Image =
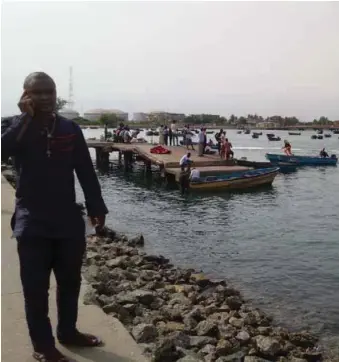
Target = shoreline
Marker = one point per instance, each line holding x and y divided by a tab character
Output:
177	314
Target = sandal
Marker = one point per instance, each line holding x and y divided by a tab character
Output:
81	340
50	356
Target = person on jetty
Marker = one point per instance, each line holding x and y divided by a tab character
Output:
323	153
188	138
218	139
161	135
201	143
166	134
174	140
185	160
47	221
287	148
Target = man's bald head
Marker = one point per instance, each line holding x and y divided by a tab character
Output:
37	76
41	89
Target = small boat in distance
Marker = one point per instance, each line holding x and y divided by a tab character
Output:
320	137
239	132
247	131
294	133
237	180
327	135
302	160
314	137
255	135
272	137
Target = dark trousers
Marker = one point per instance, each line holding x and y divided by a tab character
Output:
38	258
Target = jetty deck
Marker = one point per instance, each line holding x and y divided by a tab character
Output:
208	164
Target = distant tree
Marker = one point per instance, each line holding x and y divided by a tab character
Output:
233	119
109	120
60	103
242	120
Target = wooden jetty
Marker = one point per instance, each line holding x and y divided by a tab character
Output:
168	163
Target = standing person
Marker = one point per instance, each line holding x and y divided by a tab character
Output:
174	132
201	143
161	135
170	135
205	139
188	138
223	145
47	221
218	139
165	132
228	149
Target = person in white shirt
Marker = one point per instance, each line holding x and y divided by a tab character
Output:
188	138
201	143
173	134
195	174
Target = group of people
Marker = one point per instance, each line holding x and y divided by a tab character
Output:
224	146
168	136
123	134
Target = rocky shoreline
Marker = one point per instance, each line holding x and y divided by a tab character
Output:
177	314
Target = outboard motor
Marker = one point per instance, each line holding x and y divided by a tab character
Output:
334	156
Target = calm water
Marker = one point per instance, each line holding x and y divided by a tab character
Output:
279	246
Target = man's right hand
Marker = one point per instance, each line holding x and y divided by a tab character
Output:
26	104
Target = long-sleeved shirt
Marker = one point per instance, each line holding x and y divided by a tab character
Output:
45	193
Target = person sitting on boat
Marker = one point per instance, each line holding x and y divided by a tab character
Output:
185	161
287	148
228	149
323	153
195	174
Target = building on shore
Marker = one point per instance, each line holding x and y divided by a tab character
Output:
166	116
69	113
95	114
267	125
140	117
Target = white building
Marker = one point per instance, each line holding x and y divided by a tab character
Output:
140	117
95	114
68	113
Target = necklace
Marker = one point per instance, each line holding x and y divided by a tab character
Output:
50	133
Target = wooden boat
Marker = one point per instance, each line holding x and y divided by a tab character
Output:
336	131
247	131
314	137
283	166
237	180
303	160
239	132
294	133
320	131
327	135
320	137
273	137
254	135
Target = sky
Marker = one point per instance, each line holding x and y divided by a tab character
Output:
269	58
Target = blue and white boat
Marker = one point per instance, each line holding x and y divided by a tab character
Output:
302	160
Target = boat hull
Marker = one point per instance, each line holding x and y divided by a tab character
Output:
302	160
240	182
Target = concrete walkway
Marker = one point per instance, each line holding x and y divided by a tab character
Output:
15	343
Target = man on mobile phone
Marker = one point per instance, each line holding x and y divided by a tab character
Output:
47	222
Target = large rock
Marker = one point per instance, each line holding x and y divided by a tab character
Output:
255	359
234	302
137	241
165	351
179	339
144	333
136	296
243	337
268	346
302	339
201	341
235	357
120	261
223	347
207	328
190	358
200	279
236	322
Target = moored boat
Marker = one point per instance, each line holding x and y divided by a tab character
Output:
314	137
302	160
327	135
237	180
294	133
255	135
284	167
